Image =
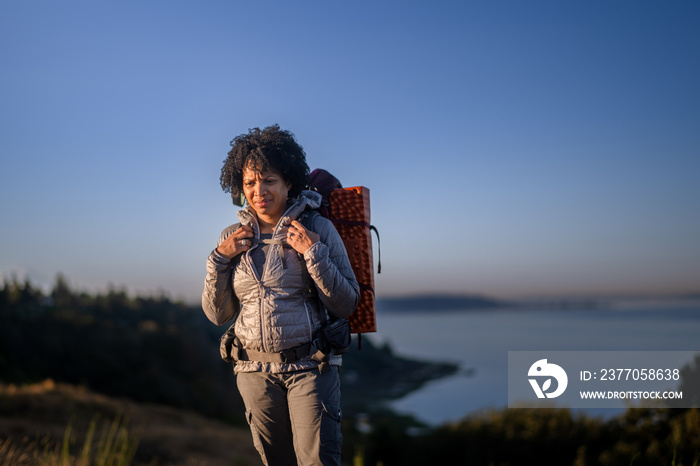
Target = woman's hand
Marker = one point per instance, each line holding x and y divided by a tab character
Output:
236	243
300	238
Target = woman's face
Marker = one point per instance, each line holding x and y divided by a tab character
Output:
266	192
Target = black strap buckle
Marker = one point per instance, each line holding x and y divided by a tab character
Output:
288	356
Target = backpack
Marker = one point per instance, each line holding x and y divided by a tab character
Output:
349	210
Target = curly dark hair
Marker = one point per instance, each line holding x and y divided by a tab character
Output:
269	149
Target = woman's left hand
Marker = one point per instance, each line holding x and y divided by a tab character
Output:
300	238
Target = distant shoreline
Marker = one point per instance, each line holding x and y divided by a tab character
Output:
438	302
466	303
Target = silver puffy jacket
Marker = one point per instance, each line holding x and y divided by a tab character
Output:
276	310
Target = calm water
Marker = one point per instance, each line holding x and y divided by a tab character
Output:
480	340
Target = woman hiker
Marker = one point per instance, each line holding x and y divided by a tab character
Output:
281	282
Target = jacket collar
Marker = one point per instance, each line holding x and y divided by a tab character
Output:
295	207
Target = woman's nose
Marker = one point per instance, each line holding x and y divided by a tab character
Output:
258	189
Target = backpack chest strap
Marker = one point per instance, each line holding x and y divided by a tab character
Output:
274	241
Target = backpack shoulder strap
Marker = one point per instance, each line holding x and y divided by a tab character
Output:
307	218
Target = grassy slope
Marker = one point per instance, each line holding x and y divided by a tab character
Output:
166	435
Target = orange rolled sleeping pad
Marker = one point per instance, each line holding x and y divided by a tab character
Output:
350	213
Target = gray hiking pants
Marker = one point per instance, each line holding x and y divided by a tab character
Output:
294	417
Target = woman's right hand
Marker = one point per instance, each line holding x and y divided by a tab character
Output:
236	243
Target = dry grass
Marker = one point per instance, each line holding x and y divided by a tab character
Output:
50	423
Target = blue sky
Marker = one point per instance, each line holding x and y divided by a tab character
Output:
511	148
